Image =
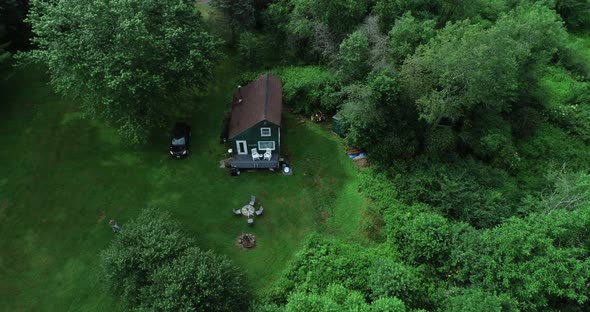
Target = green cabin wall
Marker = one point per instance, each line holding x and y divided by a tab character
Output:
252	136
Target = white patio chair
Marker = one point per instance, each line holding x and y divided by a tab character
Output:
255	155
250	221
267	155
252	200
259	211
237	212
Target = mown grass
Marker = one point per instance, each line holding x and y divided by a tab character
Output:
62	178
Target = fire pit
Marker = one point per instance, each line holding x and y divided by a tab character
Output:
246	241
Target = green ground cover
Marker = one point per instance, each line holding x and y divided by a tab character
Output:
62	178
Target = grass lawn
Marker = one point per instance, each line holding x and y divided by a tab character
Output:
62	178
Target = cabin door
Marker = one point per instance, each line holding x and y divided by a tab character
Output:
242	147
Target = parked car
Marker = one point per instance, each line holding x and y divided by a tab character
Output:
181	134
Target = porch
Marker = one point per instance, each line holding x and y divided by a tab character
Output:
246	162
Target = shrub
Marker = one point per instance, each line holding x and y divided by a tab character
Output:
390	278
196	281
151	265
476	300
141	248
308	89
466	191
425	239
541	260
323	262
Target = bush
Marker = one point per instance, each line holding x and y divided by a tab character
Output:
476	300
151	265
196	281
390	278
323	262
541	260
308	89
337	298
425	239
141	248
465	191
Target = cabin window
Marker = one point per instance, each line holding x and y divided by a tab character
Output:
265	132
266	145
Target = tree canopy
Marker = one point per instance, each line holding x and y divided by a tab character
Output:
152	265
123	60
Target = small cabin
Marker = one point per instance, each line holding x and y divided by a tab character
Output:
254	131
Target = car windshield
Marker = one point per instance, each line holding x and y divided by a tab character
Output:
179	141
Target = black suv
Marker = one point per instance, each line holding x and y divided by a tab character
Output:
181	135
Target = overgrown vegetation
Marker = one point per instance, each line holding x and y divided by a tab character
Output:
474	116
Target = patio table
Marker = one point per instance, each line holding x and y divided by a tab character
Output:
248	210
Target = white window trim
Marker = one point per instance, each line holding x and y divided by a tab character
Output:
262	132
274	145
242	151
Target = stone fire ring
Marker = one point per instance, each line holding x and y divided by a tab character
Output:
246	241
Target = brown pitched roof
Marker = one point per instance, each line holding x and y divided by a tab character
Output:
262	99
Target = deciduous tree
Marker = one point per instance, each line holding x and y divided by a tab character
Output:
123	60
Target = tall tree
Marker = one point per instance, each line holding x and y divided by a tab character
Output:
240	13
353	57
124	60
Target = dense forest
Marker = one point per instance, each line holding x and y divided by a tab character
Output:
475	116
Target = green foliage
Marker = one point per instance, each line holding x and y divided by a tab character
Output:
340	17
324	261
388	305
143	246
131	76
566	100
377	121
550	146
467	191
240	13
151	265
308	89
407	34
196	281
440	140
353	57
252	48
468	66
463	67
390	10
476	300
338	298
390	278
490	138
314	28
425	239
575	13
535	260
525	121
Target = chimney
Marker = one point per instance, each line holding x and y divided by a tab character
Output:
240	94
